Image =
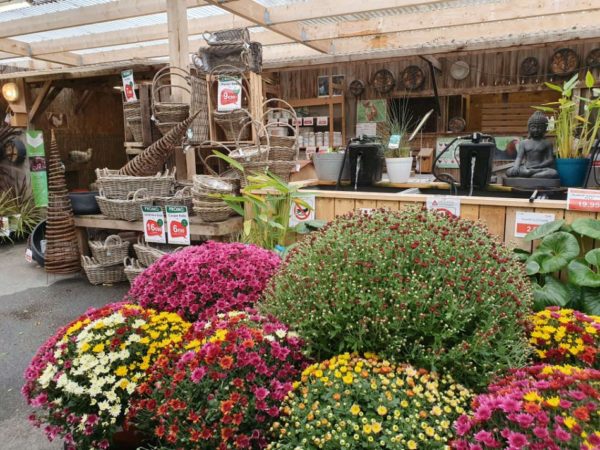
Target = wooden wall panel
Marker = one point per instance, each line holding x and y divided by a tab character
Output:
494	218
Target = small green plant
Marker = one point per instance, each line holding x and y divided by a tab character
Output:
398	122
267	214
562	248
575	132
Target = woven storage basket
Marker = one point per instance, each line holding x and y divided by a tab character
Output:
231	54
254	57
147	255
132	109
200	126
165	127
183	197
282	153
132	268
233	36
199	203
117	186
171	112
251	168
111	251
214	214
130	209
98	274
283	169
135	126
232	123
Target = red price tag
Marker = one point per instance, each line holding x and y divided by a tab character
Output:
583	200
526	227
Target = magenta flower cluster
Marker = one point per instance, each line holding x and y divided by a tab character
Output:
202	281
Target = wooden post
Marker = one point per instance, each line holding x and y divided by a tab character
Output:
145	109
179	57
256	99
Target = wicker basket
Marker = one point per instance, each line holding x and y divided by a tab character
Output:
117	186
283	169
132	109
251	168
214	214
135	126
171	112
147	255
232	123
98	274
254	57
231	54
183	197
200	127
233	36
130	209
111	251
165	127
282	153
132	268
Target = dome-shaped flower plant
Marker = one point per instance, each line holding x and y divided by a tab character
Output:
413	286
201	281
349	402
80	381
536	408
226	390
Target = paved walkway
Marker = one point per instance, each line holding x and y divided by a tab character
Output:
32	306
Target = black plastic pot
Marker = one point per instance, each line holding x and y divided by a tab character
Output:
35	242
84	203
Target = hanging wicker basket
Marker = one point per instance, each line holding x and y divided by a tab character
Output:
132	110
117	186
135	126
130	209
132	268
233	124
170	111
199	103
99	274
111	251
232	36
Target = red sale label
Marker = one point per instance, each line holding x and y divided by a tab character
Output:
153	228
583	200
178	230
229	97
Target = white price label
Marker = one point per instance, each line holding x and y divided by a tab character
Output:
526	222
444	204
154	224
178	225
583	200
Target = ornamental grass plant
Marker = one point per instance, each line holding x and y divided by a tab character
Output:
414	286
536	408
565	336
351	402
225	391
202	281
81	380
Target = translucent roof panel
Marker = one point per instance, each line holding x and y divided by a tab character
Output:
47	8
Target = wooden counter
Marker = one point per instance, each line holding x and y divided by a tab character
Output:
198	228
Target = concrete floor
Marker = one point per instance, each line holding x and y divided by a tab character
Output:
32	306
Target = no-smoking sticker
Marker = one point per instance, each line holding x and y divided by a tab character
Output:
299	213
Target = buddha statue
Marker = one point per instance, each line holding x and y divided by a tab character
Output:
535	156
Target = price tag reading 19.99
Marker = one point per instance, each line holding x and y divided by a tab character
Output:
583	200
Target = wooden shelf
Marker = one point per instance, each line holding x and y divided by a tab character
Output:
317	101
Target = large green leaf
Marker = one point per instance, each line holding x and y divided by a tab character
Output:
554	293
590	301
532	268
521	254
544	230
589	80
557	249
593	257
581	275
587	227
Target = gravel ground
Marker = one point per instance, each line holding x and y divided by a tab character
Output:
32	306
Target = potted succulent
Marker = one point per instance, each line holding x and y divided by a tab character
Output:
575	131
397	155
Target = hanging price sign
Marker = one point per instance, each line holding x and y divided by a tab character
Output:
444	204
178	225
128	85
583	200
154	224
526	222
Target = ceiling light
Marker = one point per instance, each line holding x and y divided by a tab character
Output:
10	92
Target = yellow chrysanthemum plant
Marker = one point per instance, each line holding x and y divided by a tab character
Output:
82	378
354	402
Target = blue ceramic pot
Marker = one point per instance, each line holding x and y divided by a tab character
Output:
572	171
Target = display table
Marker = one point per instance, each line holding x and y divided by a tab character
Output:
197	227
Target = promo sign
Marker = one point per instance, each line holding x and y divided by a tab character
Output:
308	121
526	222
128	90
583	200
229	94
34	145
299	214
154	224
178	225
444	204
322	121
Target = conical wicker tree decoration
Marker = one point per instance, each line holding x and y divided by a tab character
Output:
62	251
152	159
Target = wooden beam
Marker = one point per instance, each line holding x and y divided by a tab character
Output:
255	12
120	9
38	100
15	47
46	102
83	101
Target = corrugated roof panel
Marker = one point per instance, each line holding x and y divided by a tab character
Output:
47	8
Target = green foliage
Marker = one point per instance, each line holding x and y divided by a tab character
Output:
21	212
575	132
398	122
412	286
267	213
562	249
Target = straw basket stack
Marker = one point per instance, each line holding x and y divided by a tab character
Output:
62	250
206	203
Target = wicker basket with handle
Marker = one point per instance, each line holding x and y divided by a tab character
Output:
111	251
130	209
199	103
99	274
132	268
232	36
147	255
182	197
117	186
170	111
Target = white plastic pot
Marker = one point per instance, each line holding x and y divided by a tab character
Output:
398	169
328	165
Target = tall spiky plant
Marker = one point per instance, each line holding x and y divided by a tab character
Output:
398	122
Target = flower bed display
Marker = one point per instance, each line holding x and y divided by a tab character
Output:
566	336
201	281
82	378
413	286
349	402
537	408
225	391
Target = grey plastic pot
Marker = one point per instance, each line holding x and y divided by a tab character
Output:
328	165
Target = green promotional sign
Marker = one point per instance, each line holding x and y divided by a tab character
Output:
34	143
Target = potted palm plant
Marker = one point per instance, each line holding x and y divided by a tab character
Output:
575	131
397	155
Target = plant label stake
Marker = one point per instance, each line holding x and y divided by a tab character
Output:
154	224
178	225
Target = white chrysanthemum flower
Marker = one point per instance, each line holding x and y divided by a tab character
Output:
280	333
104	405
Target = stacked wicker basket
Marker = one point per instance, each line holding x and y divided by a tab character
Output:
133	115
206	201
106	264
168	113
